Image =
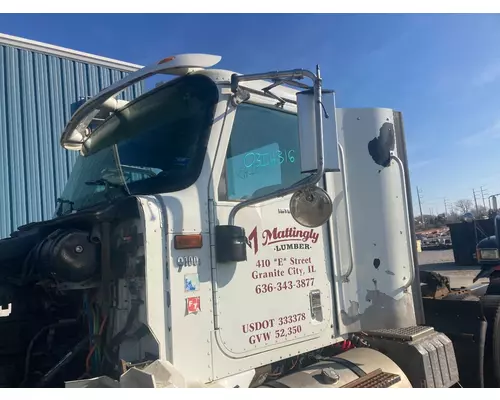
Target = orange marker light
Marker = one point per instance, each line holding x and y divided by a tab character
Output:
188	242
166	60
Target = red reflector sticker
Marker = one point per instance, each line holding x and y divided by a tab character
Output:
193	305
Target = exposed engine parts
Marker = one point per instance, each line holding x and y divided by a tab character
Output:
69	315
51	333
66	255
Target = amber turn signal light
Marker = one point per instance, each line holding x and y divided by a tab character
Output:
166	60
182	242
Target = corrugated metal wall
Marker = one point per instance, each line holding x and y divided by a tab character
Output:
37	97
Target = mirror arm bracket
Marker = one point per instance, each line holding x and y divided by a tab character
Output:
241	95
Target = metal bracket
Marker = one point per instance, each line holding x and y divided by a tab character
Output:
288	78
239	97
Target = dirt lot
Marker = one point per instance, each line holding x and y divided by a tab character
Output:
442	261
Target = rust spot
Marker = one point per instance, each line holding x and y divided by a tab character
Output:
376	263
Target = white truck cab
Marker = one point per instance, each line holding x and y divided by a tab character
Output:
269	226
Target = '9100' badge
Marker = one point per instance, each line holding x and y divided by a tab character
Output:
188	261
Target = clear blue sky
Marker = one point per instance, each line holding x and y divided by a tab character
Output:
441	71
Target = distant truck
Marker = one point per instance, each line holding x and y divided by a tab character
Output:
488	257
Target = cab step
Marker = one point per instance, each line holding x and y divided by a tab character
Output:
375	379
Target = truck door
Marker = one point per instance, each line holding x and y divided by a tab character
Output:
282	294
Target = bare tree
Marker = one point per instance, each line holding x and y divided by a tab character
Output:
482	211
464	206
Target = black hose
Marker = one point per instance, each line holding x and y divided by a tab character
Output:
118	338
63	361
110	349
35	338
345	363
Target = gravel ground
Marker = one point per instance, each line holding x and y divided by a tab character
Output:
442	261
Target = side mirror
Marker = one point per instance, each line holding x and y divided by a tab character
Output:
308	138
312	206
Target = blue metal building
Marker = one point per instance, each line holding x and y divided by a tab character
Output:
40	87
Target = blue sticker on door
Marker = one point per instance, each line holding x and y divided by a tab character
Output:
191	283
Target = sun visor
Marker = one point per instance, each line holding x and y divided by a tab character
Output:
77	131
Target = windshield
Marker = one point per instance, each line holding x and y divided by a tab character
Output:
166	132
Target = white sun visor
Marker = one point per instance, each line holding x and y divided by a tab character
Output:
76	131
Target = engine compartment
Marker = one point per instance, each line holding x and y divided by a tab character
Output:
57	280
42	336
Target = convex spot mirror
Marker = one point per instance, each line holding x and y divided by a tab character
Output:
311	207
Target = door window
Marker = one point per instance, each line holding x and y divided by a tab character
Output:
263	153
